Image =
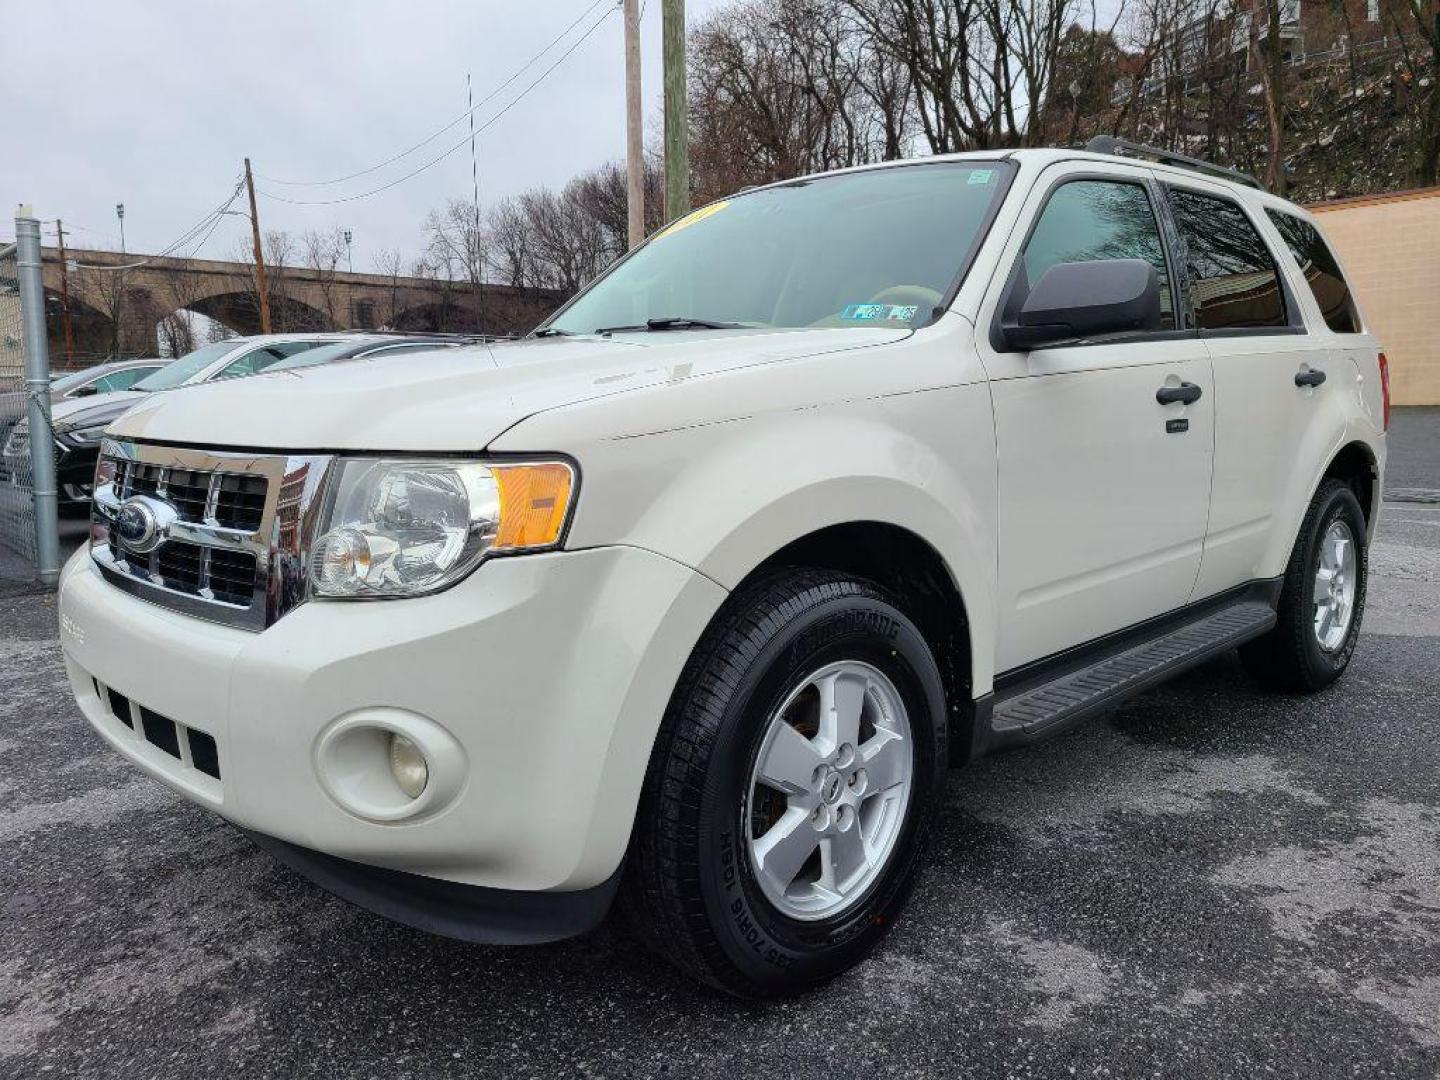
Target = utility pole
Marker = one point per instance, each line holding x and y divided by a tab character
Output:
634	128
65	297
677	126
259	255
478	253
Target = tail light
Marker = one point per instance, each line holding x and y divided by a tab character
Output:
1385	387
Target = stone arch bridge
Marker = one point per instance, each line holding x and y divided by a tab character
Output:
115	312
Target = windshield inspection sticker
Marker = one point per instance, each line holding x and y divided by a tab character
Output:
981	176
880	312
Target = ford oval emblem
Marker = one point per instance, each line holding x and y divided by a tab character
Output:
137	524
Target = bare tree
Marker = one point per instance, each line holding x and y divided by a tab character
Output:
279	251
779	88
107	290
390	264
1269	60
175	329
1425	68
323	252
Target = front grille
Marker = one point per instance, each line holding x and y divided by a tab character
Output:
220	526
190	568
229	500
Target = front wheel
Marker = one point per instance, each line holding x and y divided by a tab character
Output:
1322	600
786	804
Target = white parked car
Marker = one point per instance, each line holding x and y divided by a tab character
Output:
79	423
691	598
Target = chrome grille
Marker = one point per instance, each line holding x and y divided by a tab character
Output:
231	529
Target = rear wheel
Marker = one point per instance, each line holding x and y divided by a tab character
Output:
790	785
1322	600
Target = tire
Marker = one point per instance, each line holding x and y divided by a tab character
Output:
693	890
1291	656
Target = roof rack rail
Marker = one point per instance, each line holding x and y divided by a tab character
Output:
1108	144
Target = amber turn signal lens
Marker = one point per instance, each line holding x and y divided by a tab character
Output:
533	502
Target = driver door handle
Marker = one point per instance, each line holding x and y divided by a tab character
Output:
1309	378
1186	392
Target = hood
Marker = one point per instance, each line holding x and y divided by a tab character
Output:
97	409
67	413
459	399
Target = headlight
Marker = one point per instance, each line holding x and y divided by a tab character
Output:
404	528
85	436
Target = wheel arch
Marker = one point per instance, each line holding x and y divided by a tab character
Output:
907	565
1356	464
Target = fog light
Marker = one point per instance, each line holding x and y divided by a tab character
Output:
407	765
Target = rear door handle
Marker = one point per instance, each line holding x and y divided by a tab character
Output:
1309	378
1186	392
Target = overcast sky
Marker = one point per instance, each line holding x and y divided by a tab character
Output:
154	103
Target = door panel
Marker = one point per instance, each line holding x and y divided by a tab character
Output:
1102	509
1258	343
1264	460
1103	491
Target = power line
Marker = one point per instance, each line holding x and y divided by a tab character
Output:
205	225
462	143
470	112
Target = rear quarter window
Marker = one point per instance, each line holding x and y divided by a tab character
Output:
1321	271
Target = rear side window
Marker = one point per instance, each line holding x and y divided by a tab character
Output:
1088	220
1322	272
1234	282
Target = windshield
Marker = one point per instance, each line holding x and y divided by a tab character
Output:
881	247
177	372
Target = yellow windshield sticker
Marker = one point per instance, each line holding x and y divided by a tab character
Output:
696	216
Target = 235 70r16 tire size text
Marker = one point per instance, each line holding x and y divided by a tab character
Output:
751	749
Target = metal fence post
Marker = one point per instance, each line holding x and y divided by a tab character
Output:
37	393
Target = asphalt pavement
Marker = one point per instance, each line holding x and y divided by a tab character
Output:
1212	882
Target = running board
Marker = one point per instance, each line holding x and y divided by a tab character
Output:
1032	712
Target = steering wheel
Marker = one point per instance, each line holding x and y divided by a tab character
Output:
926	299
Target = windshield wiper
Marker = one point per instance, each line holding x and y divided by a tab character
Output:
675	322
553	331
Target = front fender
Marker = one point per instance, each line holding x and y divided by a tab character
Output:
723	496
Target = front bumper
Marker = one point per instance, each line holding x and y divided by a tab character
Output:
549	673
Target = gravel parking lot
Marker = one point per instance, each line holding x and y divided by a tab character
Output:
1211	882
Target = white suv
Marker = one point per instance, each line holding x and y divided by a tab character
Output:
692	597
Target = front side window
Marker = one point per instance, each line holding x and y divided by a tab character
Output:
880	247
1322	272
1090	220
1233	280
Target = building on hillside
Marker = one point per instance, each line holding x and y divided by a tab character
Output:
1390	248
1216	39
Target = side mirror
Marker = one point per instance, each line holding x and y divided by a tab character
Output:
1087	299
85	391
